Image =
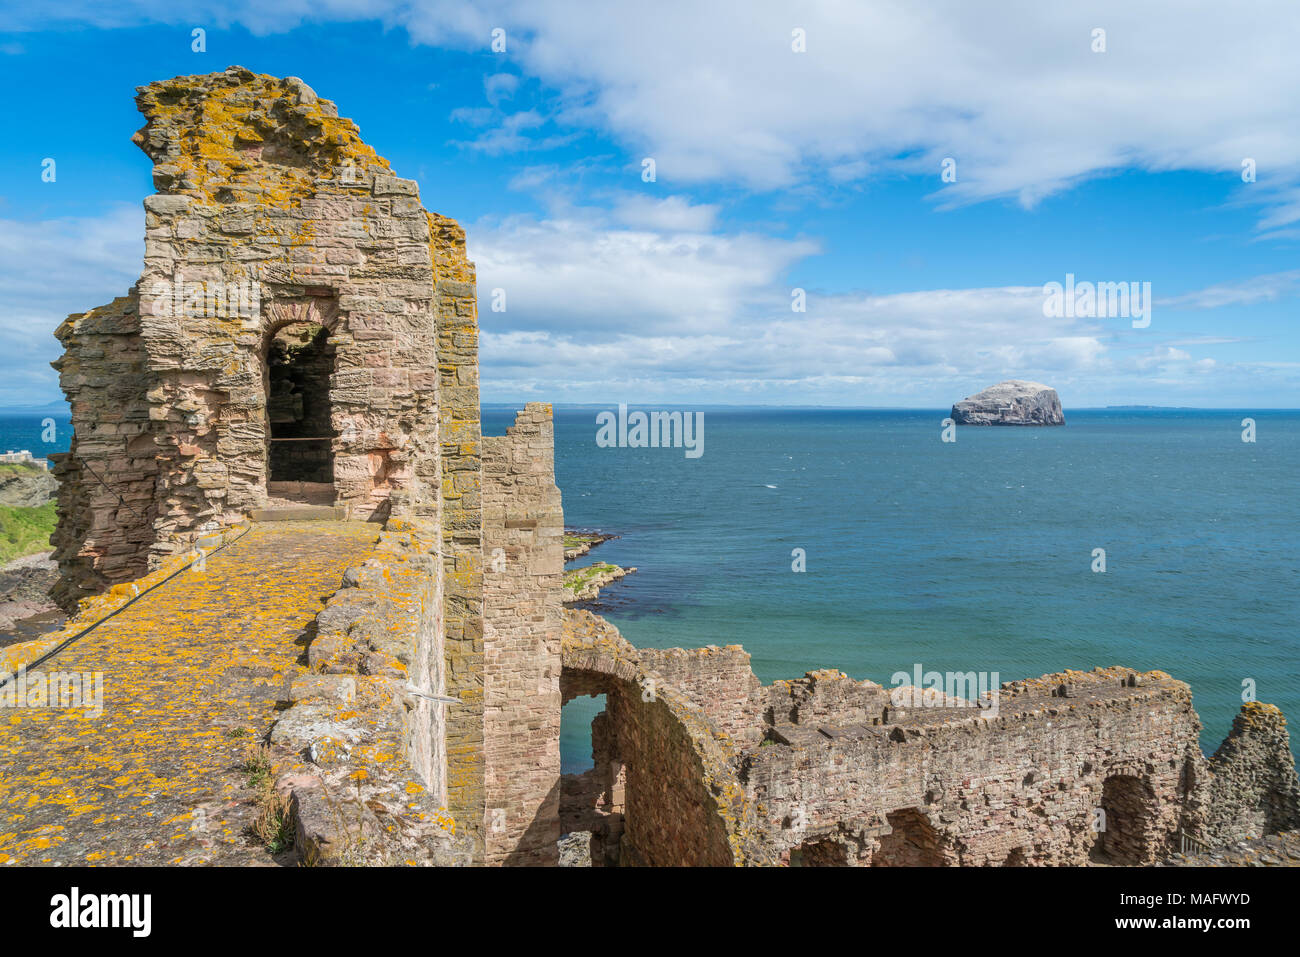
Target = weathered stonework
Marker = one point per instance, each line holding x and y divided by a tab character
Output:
368	724
1071	769
271	214
523	528
1254	790
302	326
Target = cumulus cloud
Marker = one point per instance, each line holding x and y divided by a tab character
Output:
653	297
585	272
52	268
597	308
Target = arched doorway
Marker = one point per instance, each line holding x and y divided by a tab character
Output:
652	796
298	367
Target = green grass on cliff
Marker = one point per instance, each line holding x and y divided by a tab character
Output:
574	578
24	531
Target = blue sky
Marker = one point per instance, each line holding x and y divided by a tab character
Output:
776	169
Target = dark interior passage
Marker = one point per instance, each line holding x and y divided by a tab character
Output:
300	360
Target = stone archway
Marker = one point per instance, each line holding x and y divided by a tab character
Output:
823	852
663	784
298	362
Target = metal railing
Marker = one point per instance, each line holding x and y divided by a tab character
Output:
1191	845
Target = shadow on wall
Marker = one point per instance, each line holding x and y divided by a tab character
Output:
1128	812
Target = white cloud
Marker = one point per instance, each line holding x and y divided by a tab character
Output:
674	213
583	272
48	270
597	310
1244	292
1014	93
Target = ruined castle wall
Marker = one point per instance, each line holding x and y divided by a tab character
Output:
106	481
366	726
1021	787
451	491
270	212
1253	789
828	696
669	759
664	783
719	681
523	534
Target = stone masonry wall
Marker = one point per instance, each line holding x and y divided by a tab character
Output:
719	681
273	215
458	506
523	547
1072	768
105	527
1254	789
366	727
664	788
1021	785
270	212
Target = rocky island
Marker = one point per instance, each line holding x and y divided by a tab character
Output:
1014	402
577	544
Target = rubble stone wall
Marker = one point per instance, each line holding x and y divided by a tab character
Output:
1254	790
665	783
366	726
106	495
1072	768
718	681
1022	785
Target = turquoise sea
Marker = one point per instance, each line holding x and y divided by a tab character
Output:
966	556
970	556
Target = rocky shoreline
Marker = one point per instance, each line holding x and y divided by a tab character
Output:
577	544
584	584
23	485
26	609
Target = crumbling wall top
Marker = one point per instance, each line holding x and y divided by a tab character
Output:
215	136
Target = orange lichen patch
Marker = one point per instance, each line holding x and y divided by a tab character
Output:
100	607
1254	713
216	136
156	774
